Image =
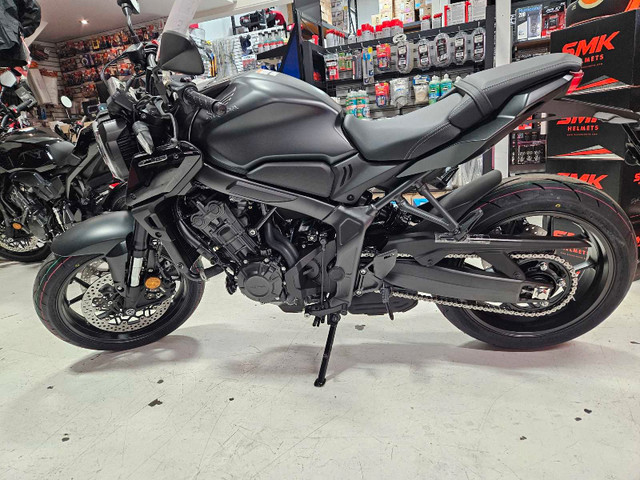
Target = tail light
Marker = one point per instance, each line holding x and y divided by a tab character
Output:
575	81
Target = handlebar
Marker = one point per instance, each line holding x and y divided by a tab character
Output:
198	100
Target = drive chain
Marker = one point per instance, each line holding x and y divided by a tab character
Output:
498	310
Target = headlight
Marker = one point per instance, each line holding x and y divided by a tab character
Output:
116	143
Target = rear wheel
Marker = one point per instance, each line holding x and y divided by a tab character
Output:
76	300
546	206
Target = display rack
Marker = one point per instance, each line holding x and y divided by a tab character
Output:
340	87
82	59
526	155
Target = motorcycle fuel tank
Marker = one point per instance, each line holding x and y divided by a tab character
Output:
27	149
271	118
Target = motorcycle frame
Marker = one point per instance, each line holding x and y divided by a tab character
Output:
349	222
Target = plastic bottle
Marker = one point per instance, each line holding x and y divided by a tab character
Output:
378	31
436	21
434	90
386	29
458	78
445	85
397	27
425	23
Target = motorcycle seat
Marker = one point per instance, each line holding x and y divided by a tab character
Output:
473	100
62	154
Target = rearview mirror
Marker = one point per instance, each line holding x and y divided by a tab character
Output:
134	5
8	79
66	102
179	53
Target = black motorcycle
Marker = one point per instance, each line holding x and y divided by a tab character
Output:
47	184
265	177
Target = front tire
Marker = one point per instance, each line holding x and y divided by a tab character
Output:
54	308
601	287
31	256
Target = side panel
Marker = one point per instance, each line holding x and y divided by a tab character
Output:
313	178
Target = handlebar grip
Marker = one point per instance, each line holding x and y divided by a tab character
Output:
196	99
25	105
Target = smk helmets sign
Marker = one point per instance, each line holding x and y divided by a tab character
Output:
591	178
593	49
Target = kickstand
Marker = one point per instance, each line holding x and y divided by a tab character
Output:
333	320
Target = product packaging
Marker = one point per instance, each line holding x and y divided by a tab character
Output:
382	94
443	50
424	57
356	64
456	13
460	50
383	54
478	10
399	92
478	44
421	89
553	18
528	23
331	64
405	56
367	66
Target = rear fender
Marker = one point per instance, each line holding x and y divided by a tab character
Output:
461	200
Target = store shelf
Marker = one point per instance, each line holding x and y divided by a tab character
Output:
465	69
273	53
452	29
538	42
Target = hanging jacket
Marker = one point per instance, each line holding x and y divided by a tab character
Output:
21	18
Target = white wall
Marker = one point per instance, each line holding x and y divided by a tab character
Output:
218	28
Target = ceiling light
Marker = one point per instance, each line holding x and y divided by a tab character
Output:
84	22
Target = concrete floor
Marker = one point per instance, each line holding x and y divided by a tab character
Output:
230	396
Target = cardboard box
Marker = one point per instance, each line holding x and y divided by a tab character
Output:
610	50
404	10
425	9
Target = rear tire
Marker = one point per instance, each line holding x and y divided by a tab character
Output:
49	291
543	193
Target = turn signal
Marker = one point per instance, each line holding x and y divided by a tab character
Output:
16	226
152	283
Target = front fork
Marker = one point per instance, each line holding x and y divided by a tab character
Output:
126	267
140	248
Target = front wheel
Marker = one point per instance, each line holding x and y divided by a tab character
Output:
21	246
548	206
76	300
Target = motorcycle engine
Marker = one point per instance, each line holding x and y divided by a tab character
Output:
258	275
34	213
